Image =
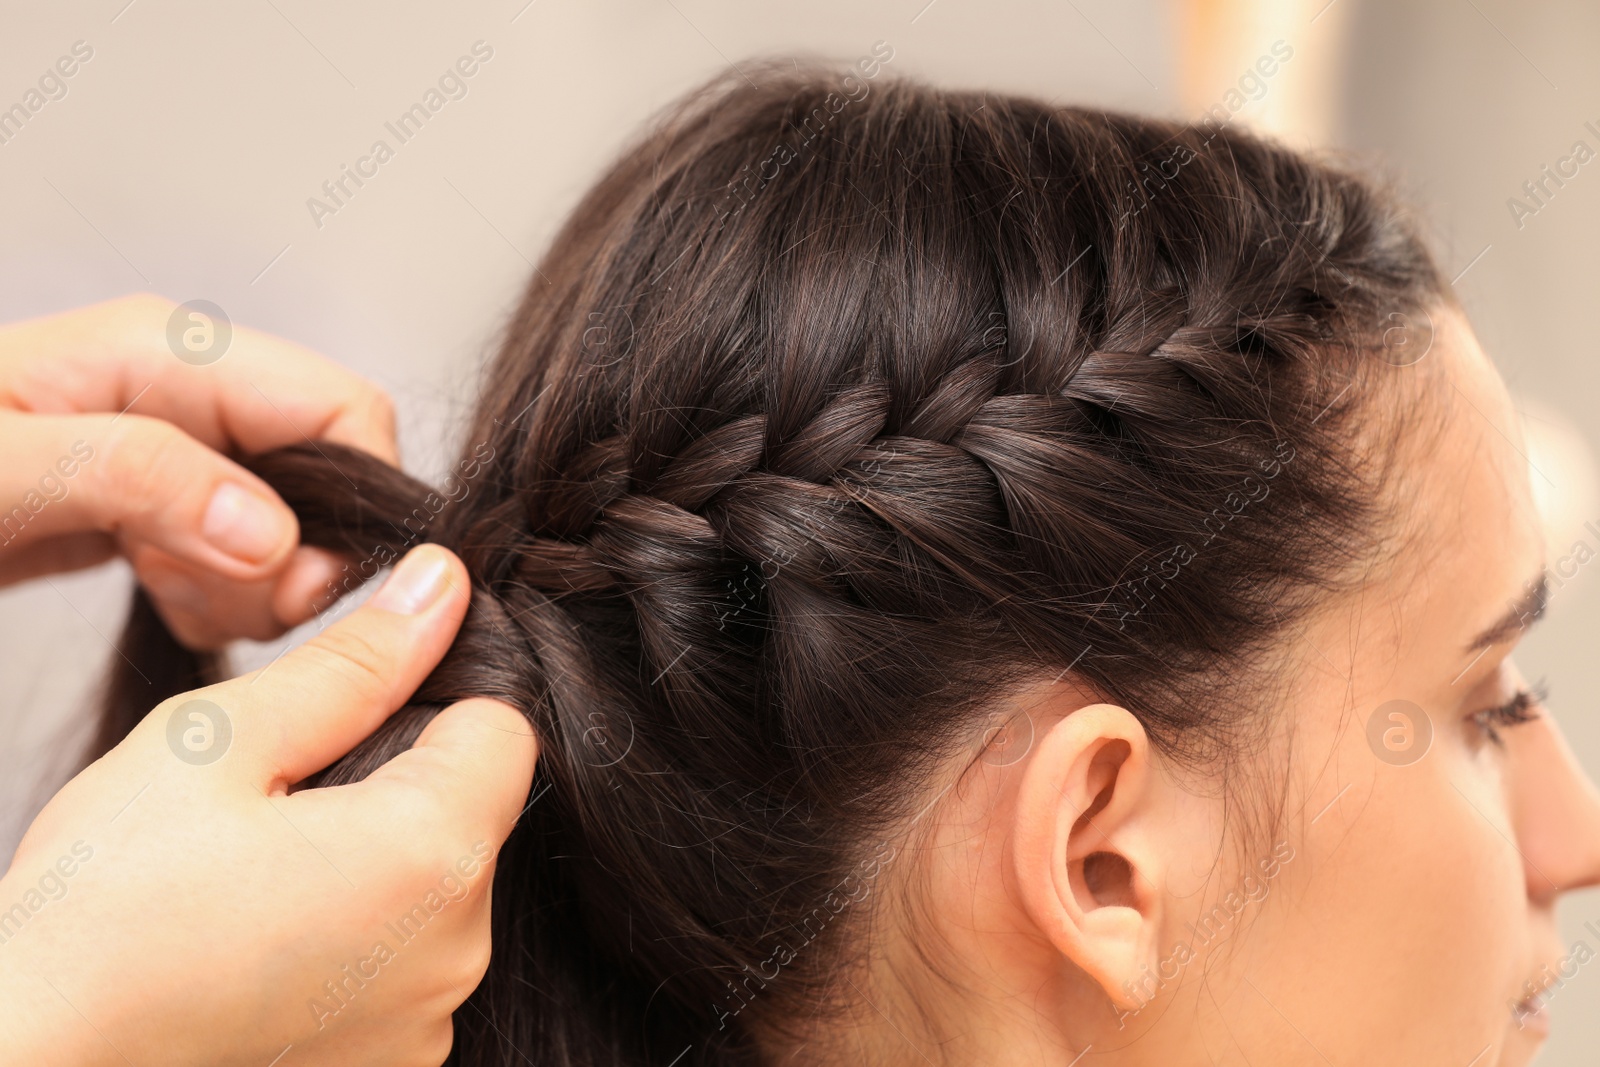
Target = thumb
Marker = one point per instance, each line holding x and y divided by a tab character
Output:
145	480
474	761
318	700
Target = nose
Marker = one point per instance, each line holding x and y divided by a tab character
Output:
1555	810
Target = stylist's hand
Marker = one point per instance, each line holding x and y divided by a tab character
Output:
109	442
163	910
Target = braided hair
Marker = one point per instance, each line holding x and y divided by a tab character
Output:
830	415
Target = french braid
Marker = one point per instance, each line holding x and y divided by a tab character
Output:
769	505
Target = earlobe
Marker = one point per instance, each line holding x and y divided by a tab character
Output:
1087	863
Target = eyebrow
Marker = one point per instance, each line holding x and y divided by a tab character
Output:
1526	611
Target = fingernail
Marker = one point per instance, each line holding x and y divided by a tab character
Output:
416	582
242	524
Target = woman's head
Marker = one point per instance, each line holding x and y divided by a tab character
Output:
950	549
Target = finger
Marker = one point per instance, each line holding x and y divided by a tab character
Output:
55	555
206	611
42	466
308	585
473	764
318	700
145	481
250	392
185	608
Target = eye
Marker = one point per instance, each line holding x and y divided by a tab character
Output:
1521	708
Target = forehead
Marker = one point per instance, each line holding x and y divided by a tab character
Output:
1471	531
1480	452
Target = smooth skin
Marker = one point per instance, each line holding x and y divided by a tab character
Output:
165	911
1372	912
216	548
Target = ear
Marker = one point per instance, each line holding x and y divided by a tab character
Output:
1088	859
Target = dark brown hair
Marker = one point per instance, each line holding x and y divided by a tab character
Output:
835	410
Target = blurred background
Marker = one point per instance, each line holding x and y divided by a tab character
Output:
184	151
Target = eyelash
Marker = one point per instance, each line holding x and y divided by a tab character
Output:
1524	707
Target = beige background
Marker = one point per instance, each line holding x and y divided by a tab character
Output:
182	157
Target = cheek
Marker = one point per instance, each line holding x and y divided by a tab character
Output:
1404	918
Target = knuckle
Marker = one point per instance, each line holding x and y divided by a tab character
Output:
413	809
153	726
382	407
140	456
354	659
141	307
193	631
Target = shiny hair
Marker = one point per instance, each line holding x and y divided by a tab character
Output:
832	414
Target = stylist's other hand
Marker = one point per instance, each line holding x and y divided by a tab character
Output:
175	905
110	442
